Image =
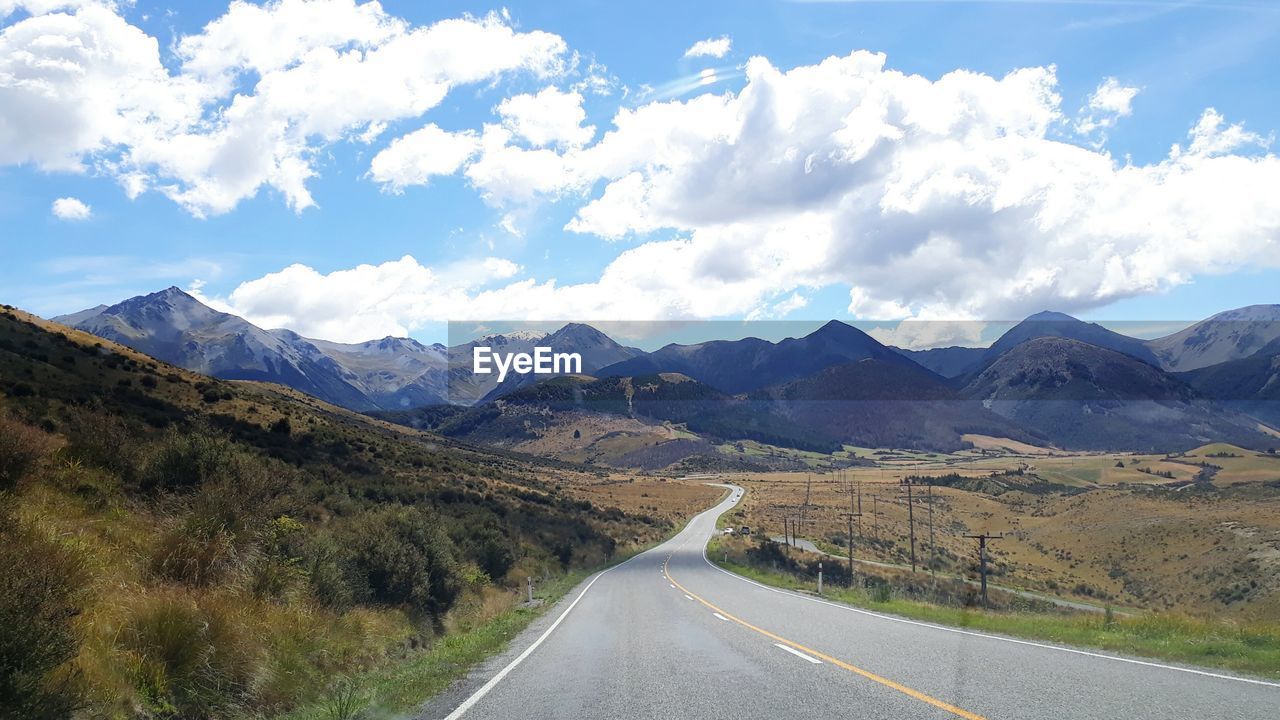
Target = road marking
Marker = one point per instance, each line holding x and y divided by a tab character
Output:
971	633
799	654
780	641
721	617
686	596
673	587
493	681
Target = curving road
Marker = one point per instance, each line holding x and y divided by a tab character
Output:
669	635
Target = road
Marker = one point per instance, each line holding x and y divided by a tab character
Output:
669	635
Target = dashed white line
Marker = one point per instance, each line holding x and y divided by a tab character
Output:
688	597
799	654
721	617
673	587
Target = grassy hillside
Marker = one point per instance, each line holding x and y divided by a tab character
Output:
178	546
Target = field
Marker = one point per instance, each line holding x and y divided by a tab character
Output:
1196	533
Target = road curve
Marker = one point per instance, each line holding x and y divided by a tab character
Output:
669	635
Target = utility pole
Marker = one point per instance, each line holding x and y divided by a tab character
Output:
855	512
933	551
859	509
911	521
982	559
875	517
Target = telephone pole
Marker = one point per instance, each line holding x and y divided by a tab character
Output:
855	500
911	521
982	559
933	549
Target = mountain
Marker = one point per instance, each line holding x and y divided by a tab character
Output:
527	412
948	362
1227	336
736	366
872	403
1250	385
173	326
597	350
1059	325
1082	396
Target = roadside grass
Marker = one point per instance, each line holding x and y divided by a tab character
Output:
1250	647
397	688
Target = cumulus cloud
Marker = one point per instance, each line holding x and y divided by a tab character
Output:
415	158
711	47
551	117
1107	104
69	208
948	198
256	94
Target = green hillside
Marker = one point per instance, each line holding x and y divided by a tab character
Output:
181	547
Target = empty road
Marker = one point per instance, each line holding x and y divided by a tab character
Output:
668	635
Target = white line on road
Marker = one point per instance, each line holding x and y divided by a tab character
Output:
673	587
687	597
484	689
721	617
799	654
971	633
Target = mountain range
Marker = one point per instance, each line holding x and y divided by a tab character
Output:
1051	379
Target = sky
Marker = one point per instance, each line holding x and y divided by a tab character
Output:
353	170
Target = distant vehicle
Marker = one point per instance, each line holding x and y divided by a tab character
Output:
745	530
727	531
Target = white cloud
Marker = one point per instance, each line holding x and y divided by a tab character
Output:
69	208
551	117
947	198
259	92
414	158
1107	104
711	47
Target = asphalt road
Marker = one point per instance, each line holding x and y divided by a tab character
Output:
669	635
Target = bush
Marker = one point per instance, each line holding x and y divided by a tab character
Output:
21	447
41	587
330	573
183	460
404	558
491	551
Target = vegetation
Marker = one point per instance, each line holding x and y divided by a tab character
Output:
180	547
1242	646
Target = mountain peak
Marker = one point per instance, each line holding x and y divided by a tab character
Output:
1051	316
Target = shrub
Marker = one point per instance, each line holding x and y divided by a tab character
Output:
404	558
41	587
184	460
21	447
276	568
330	572
491	551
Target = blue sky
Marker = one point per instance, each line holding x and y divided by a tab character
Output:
1177	59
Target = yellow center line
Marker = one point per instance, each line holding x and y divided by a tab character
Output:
823	656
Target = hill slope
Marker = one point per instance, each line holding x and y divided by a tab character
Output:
232	546
1083	396
1227	336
